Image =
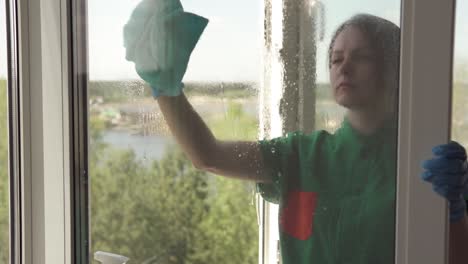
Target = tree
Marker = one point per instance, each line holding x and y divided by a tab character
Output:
145	212
169	212
234	124
4	192
229	233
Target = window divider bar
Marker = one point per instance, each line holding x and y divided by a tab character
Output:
424	121
79	177
14	147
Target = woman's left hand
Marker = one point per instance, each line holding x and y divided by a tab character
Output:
448	174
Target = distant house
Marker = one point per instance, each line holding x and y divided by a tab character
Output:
111	116
95	101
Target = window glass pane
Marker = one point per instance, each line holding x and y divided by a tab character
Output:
335	181
460	78
4	187
333	178
148	202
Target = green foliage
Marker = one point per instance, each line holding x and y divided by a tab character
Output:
146	212
117	91
97	148
226	90
167	212
234	124
459	104
170	212
120	91
229	234
4	214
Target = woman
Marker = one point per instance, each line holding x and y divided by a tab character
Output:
336	192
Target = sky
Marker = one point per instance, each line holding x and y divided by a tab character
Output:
230	47
3	59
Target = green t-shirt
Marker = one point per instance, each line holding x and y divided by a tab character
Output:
336	195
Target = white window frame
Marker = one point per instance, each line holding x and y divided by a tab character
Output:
44	68
43	73
425	121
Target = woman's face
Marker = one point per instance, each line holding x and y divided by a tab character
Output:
353	71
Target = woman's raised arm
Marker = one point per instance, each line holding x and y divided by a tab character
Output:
237	159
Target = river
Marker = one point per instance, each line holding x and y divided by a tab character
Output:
150	147
145	147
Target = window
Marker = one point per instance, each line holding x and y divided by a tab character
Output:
147	201
298	36
281	109
140	181
460	77
49	224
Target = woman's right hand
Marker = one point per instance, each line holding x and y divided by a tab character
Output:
159	38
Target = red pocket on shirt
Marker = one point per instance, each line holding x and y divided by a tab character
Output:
297	214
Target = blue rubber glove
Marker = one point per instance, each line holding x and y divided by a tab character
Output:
159	38
448	174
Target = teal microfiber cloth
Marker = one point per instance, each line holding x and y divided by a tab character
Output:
159	38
